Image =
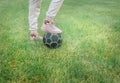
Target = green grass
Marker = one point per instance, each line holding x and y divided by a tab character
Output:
90	52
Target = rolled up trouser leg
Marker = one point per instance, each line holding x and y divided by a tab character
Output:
34	11
54	8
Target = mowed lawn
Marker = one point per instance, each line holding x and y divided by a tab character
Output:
90	51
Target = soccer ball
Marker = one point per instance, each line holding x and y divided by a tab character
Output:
52	40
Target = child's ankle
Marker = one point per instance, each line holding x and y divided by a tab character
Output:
48	20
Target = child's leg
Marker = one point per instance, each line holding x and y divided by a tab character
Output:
48	24
54	8
34	11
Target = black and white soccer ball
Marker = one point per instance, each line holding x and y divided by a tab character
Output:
52	40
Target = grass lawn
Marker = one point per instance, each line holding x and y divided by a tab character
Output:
90	52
